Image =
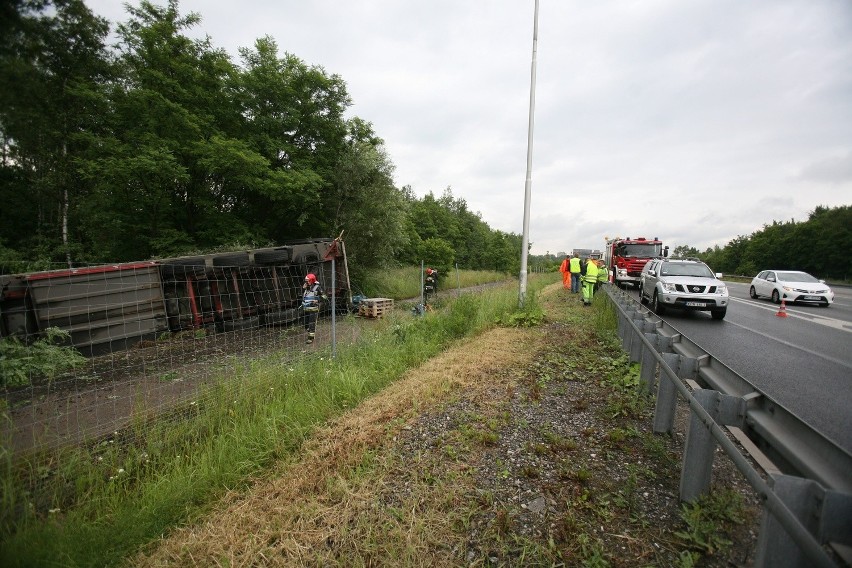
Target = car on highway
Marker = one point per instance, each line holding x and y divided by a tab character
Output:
684	284
791	286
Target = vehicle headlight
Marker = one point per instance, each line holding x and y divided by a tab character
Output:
669	287
787	288
723	290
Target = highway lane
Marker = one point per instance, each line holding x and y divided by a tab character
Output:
803	361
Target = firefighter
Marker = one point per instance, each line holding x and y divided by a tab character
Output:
430	284
575	268
566	273
589	280
311	294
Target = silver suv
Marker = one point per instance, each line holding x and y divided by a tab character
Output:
683	283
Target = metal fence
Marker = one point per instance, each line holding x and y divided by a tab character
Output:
807	492
157	337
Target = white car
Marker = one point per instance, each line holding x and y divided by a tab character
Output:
791	286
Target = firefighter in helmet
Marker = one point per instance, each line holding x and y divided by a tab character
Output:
430	284
311	295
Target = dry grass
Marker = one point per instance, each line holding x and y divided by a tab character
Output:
327	508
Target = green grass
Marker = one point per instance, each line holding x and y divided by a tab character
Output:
404	283
94	506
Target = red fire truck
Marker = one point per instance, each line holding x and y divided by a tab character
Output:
625	258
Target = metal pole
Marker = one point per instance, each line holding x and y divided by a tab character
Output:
522	293
333	308
458	278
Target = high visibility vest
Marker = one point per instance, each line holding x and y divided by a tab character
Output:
575	265
591	272
603	274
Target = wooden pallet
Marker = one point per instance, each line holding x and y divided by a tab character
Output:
375	307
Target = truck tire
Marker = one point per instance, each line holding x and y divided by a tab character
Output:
240	324
232	259
719	314
273	256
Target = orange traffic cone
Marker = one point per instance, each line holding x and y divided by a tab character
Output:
782	311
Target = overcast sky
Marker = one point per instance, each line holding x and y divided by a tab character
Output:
692	121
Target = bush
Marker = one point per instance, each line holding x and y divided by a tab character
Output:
19	362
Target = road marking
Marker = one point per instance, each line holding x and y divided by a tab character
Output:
807	316
791	345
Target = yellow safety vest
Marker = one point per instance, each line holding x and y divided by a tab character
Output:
575	265
591	272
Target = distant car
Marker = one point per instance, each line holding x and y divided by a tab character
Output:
791	286
684	284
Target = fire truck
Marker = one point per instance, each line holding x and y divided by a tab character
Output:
625	258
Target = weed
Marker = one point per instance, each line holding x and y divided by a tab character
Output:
167	377
20	362
530	471
503	521
707	517
560	443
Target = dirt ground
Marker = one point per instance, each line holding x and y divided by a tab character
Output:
510	449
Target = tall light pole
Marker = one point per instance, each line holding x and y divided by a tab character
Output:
525	242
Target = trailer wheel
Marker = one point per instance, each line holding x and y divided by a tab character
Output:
273	256
232	259
241	324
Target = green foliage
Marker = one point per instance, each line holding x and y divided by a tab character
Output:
707	519
20	363
162	145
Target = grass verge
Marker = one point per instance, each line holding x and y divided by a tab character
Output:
96	505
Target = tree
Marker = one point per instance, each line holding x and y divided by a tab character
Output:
364	202
437	253
293	117
683	251
54	60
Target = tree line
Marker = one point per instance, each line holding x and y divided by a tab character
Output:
161	145
822	246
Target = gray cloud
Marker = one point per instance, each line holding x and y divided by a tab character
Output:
691	121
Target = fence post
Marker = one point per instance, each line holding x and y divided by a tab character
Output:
700	445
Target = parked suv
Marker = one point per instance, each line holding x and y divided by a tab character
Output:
683	283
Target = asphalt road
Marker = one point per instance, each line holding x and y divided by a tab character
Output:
803	361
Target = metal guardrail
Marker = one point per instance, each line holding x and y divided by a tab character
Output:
807	498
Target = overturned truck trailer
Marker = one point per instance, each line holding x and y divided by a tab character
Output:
111	307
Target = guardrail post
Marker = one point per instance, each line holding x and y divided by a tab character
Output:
648	368
700	448
636	345
664	410
825	514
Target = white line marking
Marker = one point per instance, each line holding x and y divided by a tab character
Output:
807	316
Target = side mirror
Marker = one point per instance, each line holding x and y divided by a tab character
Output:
718	276
665	251
822	281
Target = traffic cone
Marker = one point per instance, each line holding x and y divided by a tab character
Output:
782	311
